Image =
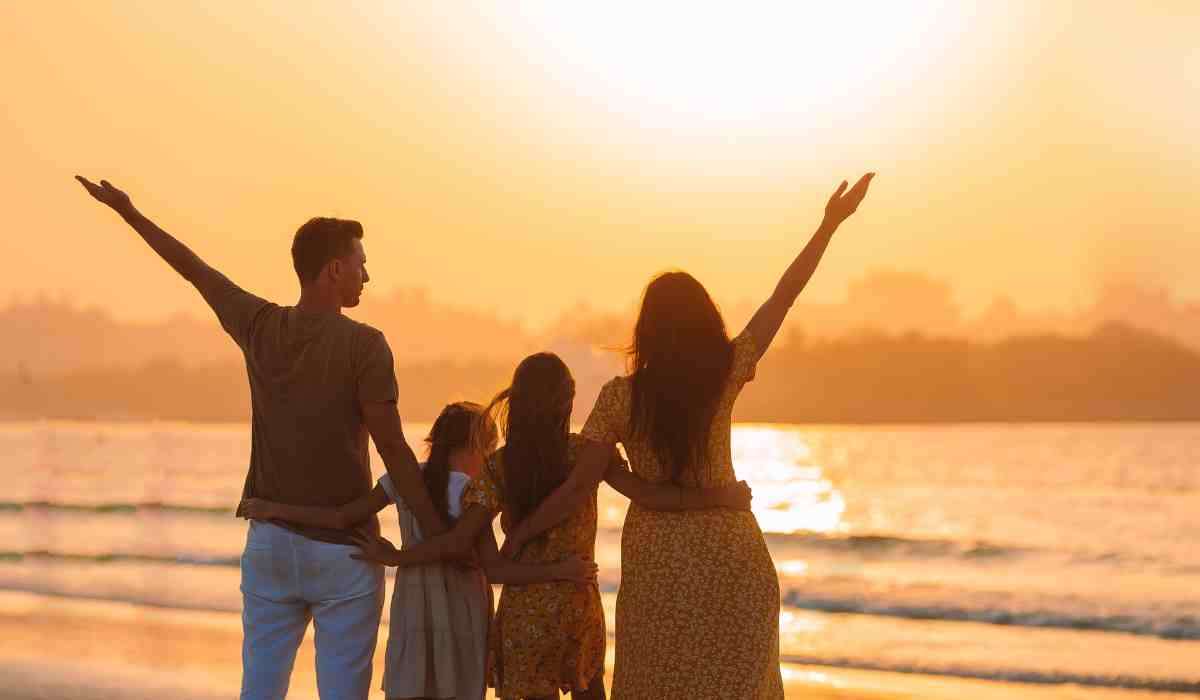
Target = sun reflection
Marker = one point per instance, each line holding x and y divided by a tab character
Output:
802	675
793	623
793	567
791	494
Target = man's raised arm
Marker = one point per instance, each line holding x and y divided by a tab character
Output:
177	255
235	307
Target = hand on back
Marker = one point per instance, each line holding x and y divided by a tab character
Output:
374	548
736	496
255	509
512	546
578	570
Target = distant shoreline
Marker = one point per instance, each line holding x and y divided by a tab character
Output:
1118	374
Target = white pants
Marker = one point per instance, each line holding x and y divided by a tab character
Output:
288	579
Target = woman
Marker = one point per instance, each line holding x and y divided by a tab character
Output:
698	608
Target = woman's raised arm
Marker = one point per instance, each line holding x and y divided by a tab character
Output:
769	317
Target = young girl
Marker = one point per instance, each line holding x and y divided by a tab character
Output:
437	642
546	637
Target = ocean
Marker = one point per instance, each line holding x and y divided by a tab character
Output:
1041	554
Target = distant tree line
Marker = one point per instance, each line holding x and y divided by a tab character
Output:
1115	373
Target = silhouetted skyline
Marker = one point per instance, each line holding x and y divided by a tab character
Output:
1131	354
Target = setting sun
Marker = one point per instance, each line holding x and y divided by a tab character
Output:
686	68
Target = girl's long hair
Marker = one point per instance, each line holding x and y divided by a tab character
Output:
679	362
458	425
534	413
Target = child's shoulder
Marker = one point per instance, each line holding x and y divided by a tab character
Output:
456	486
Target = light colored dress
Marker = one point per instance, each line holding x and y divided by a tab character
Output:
698	607
437	637
546	637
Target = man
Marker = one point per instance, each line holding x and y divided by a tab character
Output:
319	382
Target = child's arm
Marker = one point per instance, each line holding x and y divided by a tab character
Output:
501	570
458	543
339	518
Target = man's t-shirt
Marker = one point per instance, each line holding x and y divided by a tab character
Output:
308	373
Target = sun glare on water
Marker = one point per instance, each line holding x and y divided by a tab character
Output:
791	494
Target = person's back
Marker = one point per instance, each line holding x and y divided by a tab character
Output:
308	373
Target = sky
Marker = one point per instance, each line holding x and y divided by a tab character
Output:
523	161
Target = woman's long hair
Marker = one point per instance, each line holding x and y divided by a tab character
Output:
679	361
535	416
458	425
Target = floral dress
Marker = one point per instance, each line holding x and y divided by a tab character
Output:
545	637
698	607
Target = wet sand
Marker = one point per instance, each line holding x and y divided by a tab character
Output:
67	648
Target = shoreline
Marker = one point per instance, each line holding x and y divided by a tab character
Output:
53	647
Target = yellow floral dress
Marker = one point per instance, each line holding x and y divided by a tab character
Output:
545	637
698	607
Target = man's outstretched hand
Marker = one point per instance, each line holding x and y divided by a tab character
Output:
843	203
107	194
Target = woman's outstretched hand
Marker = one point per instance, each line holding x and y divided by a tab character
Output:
107	194
845	202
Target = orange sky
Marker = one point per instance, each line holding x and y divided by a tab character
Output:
524	163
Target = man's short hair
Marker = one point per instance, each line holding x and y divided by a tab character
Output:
320	240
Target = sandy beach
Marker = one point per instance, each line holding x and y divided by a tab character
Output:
66	648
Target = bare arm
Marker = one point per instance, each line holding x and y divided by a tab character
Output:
176	254
598	458
501	570
589	470
669	496
383	422
769	317
340	518
458	543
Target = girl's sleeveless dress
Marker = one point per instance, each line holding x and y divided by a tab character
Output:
437	637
